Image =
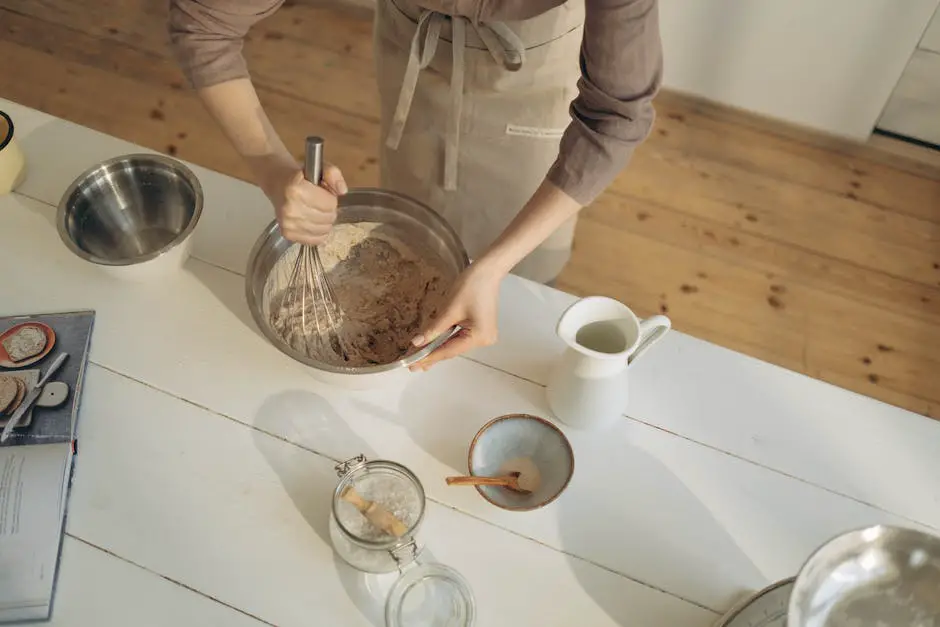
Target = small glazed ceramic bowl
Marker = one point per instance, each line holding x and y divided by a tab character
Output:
504	441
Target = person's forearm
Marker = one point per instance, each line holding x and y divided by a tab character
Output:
235	106
547	210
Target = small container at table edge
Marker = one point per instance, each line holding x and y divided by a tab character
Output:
12	161
425	593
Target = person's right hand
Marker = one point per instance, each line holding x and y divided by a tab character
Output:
305	212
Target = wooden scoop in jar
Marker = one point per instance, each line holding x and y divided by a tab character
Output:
510	480
375	513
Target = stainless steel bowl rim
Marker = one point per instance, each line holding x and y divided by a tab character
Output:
800	588
272	231
181	168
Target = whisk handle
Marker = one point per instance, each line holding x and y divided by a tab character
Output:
313	160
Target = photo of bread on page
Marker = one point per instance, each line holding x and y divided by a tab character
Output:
42	411
24	344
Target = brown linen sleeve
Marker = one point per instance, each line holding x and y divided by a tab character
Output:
621	71
207	36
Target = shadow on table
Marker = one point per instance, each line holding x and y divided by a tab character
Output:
445	423
309	423
595	516
57	152
598	522
445	441
228	288
46	212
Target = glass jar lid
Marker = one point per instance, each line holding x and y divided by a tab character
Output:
379	503
430	595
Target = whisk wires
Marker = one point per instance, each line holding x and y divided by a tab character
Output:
312	299
309	291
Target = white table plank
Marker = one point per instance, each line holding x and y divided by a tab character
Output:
678	508
825	435
808	429
242	517
98	589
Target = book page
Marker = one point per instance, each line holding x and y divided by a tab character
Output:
31	485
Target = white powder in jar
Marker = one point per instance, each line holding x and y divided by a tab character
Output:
397	495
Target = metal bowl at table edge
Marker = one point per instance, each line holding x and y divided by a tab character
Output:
132	215
412	220
884	574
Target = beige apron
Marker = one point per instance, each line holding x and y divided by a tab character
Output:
472	115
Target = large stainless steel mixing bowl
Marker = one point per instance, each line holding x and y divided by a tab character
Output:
133	215
413	222
877	576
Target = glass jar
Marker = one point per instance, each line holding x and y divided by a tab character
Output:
378	507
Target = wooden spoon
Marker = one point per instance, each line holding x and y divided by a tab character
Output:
510	480
377	515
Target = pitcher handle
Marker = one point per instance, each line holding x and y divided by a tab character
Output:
652	330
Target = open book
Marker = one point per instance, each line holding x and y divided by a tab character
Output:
36	461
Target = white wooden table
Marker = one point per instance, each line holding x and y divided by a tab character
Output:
205	465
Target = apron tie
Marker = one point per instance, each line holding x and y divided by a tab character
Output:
505	47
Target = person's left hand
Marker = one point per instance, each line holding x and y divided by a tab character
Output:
473	304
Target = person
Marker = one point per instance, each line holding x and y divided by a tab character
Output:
504	116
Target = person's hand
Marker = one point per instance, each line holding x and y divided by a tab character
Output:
473	304
305	212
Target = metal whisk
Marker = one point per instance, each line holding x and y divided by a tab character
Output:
309	294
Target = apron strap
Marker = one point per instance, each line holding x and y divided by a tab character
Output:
505	47
452	141
418	59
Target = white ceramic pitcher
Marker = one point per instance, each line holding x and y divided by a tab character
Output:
588	386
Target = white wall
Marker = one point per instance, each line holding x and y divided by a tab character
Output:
826	64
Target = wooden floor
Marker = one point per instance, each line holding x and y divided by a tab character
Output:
818	256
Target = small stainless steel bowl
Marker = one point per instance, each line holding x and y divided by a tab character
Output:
411	221
880	575
131	210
